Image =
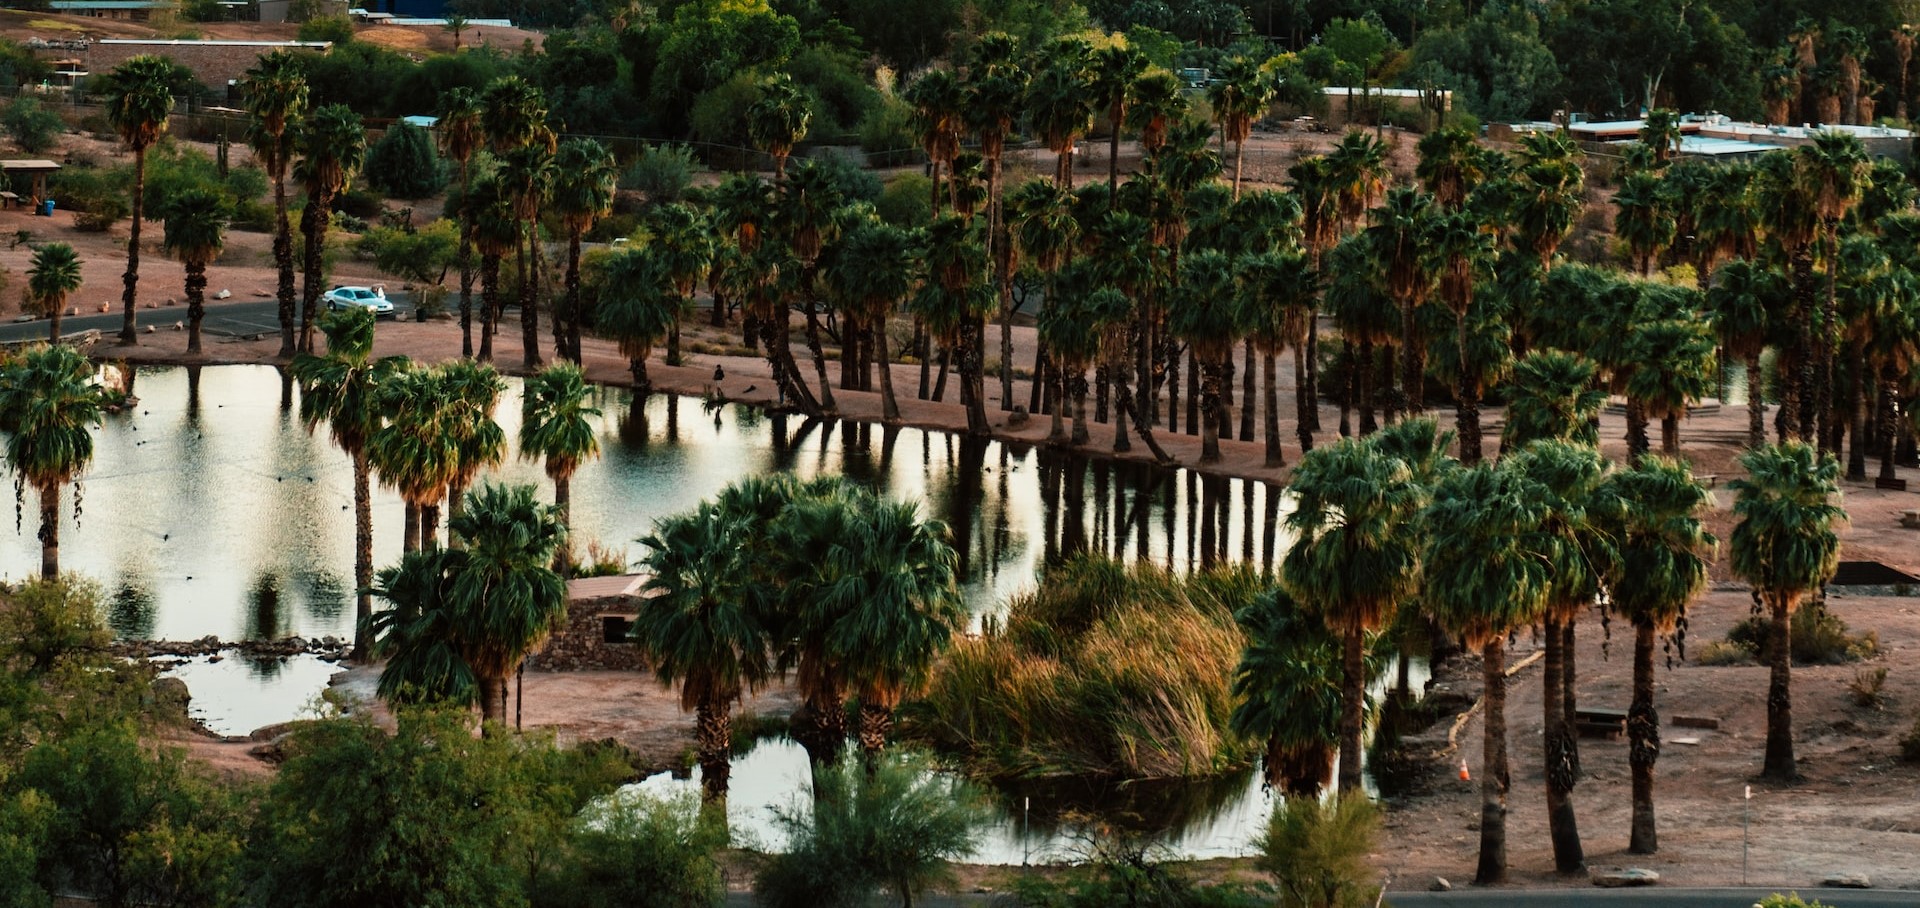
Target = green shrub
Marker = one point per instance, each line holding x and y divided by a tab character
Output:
1723	652
1868	687
1789	900
1816	637
99	197
857	183
419	256
405	164
1910	743
637	851
888	136
894	827
906	201
1123	870
175	168
31	125
338	29
1317	852
662	173
360	203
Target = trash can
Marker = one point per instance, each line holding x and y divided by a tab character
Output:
46	208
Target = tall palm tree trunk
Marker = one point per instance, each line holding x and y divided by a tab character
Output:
1310	389
53	320
466	267
876	723
129	297
1362	370
1569	687
1637	444
972	378
1056	426
493	704
566	316
530	301
1643	742
49	493
283	263
1562	825
713	740
430	526
1077	385
1353	692
1670	434
1756	403
1173	386
313	226
1780	765
1248	373
1824	393
1801	393
410	530
1889	437
889	406
563	502
1857	452
362	555
819	353
1213	411
489	295
1270	392
196	303
1124	403
1493	771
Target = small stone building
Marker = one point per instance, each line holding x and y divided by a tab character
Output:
600	612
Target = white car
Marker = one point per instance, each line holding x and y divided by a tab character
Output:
370	298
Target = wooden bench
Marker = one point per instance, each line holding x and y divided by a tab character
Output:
9	199
1594	722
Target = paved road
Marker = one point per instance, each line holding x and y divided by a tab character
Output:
230	319
1653	897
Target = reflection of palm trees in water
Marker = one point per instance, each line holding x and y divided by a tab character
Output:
265	620
131	611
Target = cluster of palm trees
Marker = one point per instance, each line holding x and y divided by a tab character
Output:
1390	524
429	432
855	594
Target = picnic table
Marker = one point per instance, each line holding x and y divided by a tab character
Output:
1593	721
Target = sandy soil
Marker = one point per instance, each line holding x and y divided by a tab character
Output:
19	25
1855	812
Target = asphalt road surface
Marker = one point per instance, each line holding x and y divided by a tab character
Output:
244	319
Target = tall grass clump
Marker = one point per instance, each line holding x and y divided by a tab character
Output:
1317	851
1106	670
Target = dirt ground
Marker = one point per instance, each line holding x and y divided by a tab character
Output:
19	25
1855	812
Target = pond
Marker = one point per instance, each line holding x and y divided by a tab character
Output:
210	510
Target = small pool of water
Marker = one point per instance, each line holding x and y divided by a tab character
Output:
237	694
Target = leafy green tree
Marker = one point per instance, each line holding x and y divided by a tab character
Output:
1550	192
1786	547
196	234
139	98
404	165
49	405
1354	560
465	617
638	851
51	279
332	144
342	388
556	426
1494	61
1318	852
471	395
1663	551
895	825
31	125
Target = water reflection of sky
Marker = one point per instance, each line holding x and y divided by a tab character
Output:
209	509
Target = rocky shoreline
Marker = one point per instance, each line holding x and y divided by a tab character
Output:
328	649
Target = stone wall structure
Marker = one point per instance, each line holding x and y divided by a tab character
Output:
600	611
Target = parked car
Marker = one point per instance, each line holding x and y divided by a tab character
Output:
371	298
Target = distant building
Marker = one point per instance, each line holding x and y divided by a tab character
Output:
1346	105
130	10
216	64
1723	138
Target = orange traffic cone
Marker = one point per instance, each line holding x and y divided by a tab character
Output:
1465	776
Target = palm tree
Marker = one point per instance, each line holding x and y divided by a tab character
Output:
276	96
1398	241
954	301
778	120
1786	547
196	232
332	146
51	279
1642	220
937	98
1482	580
454	24
1663	550
495	231
706	625
1204	317
1550	192
1576	556
1116	70
1238	98
470	395
414	449
1158	105
1726	225
1276	300
343	388
1661	133
1045	233
513	115
139	98
1450	165
1741	303
49	405
1357	170
1553	397
1833	175
1059	104
1673	373
638	307
996	91
877	268
1286	691
527	173
1465	250
1354	559
556	426
1791	226
897	604
460	138
680	241
585	177
469	615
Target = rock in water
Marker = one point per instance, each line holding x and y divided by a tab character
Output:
1627	876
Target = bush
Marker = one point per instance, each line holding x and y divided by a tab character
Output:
1789	900
48	624
360	203
338	29
98	196
1816	637
1123	870
895	827
1723	652
1910	743
405	165
31	125
888	136
419	256
638	851
1317	852
174	169
906	201
662	173
857	183
1868	687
